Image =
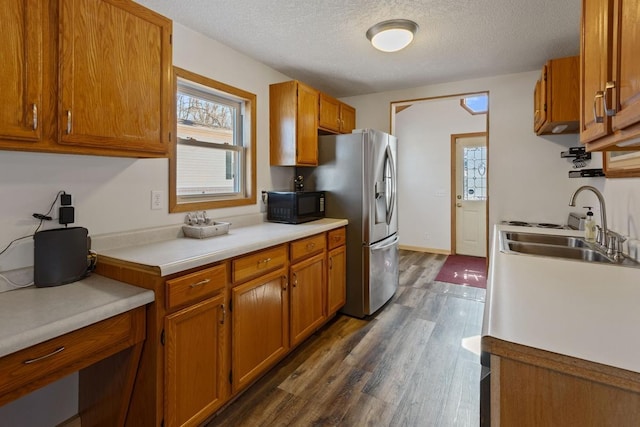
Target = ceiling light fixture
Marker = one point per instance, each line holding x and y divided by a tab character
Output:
392	35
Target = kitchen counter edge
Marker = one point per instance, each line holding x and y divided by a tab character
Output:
34	315
181	254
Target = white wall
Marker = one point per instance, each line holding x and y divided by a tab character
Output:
527	178
114	194
424	173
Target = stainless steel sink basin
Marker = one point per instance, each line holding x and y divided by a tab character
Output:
547	239
557	246
584	254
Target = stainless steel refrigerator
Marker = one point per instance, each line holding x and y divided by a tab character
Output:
358	173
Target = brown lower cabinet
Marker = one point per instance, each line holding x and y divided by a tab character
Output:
530	387
213	331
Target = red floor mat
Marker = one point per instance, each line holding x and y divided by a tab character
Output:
464	270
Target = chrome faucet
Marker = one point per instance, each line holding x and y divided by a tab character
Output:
603	240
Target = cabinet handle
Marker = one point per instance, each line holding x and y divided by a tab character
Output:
200	283
35	116
596	117
263	261
53	353
608	111
295	280
284	283
330	263
310	246
68	122
224	314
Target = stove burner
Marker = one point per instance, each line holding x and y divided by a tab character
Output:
547	225
518	223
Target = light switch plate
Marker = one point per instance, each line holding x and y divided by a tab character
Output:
157	199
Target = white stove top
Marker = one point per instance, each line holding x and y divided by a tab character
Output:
535	224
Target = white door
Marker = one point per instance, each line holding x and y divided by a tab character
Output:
471	195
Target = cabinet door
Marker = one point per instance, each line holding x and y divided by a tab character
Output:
260	326
537	106
595	57
329	113
115	76
21	73
307	131
336	279
307	297
347	118
195	369
627	66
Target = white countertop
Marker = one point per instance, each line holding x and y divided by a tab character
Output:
586	310
180	254
33	315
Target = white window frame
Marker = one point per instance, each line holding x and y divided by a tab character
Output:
244	192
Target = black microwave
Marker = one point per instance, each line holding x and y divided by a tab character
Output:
294	207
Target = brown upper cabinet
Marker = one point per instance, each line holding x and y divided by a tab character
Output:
22	73
336	116
293	124
86	77
610	88
297	113
556	105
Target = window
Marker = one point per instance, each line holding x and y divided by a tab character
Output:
475	104
213	160
475	173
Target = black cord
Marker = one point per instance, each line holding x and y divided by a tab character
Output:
41	217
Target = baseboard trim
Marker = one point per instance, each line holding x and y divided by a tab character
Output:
429	250
74	421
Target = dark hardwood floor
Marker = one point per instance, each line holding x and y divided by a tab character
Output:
403	366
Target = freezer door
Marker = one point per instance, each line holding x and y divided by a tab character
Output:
381	268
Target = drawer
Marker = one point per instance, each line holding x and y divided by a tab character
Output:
336	237
195	286
43	363
259	263
306	247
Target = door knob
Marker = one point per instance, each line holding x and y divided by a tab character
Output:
458	197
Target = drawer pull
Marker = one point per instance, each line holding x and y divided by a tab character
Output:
310	246
37	359
200	283
263	261
68	122
336	238
35	116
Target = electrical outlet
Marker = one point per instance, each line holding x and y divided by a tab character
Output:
157	199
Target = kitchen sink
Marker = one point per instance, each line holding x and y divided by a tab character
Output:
584	254
557	246
547	239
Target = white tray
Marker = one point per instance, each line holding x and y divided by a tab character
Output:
204	231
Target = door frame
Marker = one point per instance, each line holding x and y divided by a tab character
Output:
453	193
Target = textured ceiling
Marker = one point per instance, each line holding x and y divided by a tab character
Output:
323	43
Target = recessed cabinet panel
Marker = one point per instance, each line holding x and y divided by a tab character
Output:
610	91
21	73
260	326
195	370
557	105
114	76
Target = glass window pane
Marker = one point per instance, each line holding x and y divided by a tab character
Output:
475	173
203	170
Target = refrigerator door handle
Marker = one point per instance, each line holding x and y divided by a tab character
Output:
375	247
392	201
